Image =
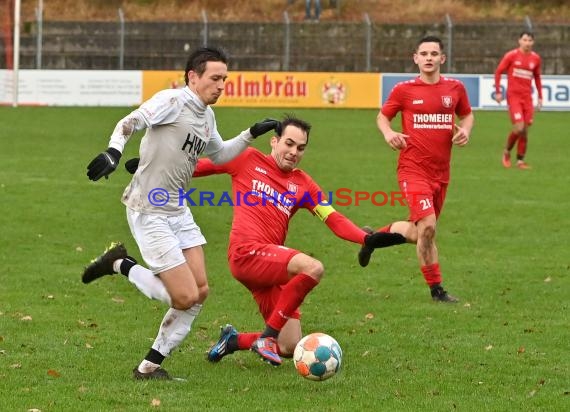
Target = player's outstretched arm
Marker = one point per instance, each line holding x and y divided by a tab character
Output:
343	227
222	151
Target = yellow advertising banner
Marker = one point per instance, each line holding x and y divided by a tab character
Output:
283	89
156	80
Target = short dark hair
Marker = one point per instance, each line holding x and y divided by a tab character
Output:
291	120
527	33
430	39
199	57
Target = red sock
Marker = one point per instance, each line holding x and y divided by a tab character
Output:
245	340
292	296
432	274
385	229
521	147
512	139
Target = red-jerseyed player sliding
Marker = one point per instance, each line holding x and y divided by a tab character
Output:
429	104
267	192
521	65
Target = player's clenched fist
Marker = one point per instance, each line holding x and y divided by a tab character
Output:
104	164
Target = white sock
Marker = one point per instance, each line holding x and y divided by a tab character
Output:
175	326
150	285
117	265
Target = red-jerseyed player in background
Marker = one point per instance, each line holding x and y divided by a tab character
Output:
267	192
429	104
521	66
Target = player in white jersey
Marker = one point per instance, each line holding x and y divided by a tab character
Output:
180	126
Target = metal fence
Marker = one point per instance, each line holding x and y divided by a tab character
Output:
287	46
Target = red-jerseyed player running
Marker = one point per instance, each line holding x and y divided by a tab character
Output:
429	104
521	66
267	191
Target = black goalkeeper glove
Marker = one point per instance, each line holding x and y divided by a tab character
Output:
104	164
263	127
132	165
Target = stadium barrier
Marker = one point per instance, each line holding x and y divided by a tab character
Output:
248	89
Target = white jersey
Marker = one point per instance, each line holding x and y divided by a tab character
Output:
180	127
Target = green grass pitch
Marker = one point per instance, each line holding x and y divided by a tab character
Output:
503	241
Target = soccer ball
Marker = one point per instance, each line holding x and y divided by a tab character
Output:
317	357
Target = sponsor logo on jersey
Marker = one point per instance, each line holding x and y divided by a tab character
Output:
194	145
522	73
282	201
291	187
433	120
418	101
260	170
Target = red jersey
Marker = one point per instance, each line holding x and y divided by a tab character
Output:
428	116
265	198
521	68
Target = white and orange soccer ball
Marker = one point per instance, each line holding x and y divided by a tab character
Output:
317	357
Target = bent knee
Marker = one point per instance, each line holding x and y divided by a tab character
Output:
203	292
315	269
184	301
427	231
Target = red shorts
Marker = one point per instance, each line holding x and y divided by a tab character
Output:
423	197
262	268
521	109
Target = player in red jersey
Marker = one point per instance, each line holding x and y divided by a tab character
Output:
521	66
429	104
267	192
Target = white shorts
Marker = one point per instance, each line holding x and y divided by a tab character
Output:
161	239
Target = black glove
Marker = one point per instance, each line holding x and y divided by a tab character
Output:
263	127
104	164
132	165
376	240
